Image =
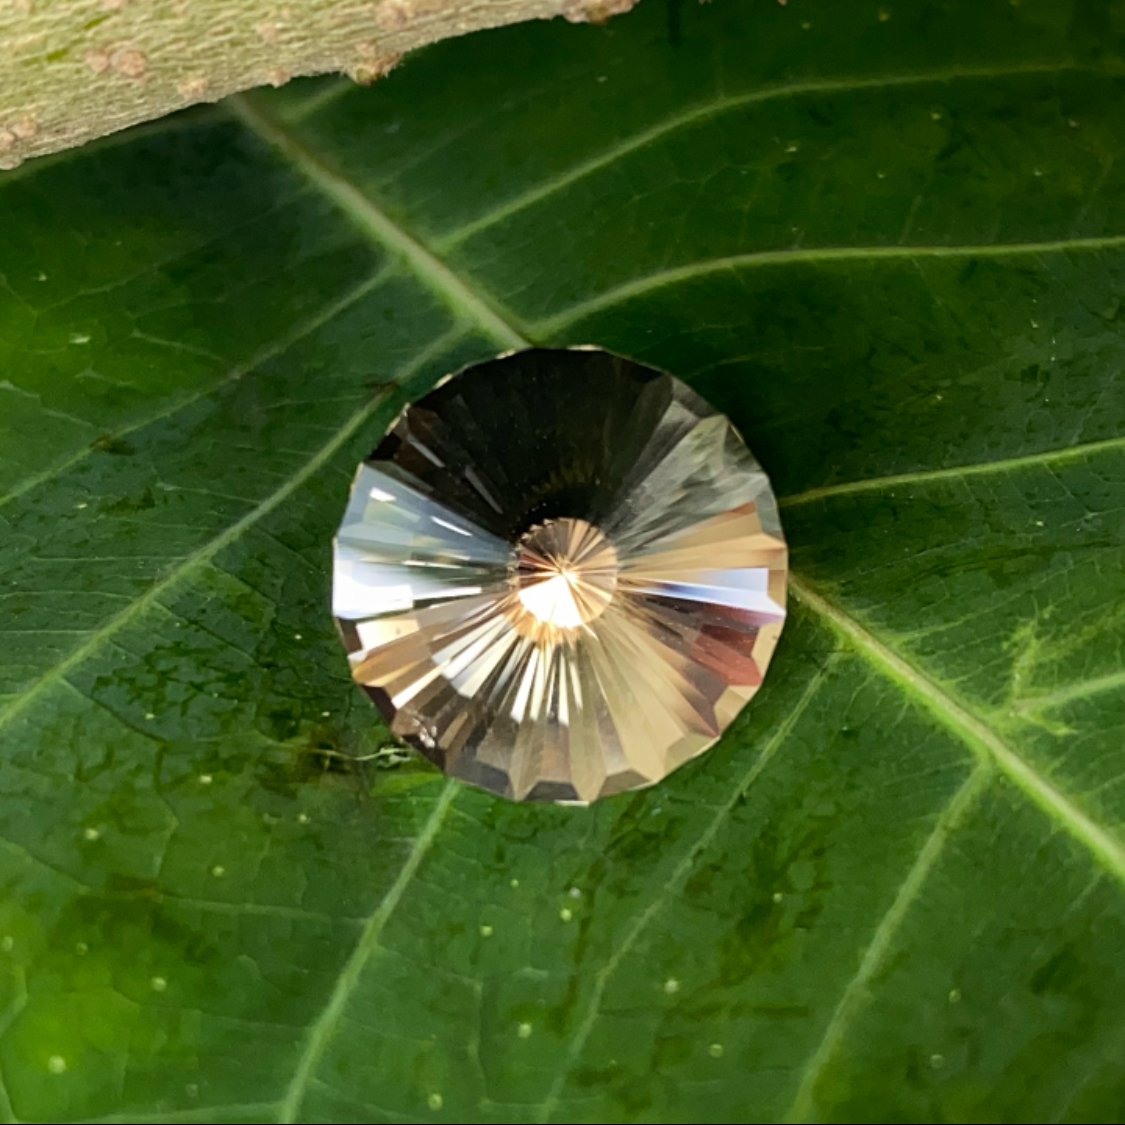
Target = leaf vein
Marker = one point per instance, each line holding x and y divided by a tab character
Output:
204	554
662	279
7	1018
958	472
454	292
717	108
200	1114
271	351
874	956
984	742
30	857
679	874
1045	701
324	1026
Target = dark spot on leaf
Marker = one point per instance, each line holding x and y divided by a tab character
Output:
817	115
115	445
281	725
762	935
1058	974
131	919
587	1076
142	503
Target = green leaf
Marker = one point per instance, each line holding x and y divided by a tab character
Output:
890	242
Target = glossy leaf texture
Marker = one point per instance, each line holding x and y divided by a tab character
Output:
889	241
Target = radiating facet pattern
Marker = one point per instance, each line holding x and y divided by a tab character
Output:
560	575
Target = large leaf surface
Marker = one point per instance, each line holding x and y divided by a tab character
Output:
890	242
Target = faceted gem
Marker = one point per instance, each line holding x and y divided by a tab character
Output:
560	575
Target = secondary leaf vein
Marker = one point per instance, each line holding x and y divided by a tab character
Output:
679	874
204	554
324	1027
874	956
958	472
717	108
271	351
662	279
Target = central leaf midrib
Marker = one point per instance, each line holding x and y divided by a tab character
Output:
957	716
458	295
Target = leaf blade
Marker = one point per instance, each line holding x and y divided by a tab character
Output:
945	423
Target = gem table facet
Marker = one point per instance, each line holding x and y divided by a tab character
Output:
560	575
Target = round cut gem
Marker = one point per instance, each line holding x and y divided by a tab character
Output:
560	575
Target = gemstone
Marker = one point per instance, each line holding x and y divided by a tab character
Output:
560	575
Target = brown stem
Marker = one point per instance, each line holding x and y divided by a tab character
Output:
73	70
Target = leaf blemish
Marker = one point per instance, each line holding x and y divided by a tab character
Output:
113	445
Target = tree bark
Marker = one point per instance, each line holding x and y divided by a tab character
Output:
73	70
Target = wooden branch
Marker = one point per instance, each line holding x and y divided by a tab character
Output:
73	70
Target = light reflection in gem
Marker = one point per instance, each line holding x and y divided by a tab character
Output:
560	575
